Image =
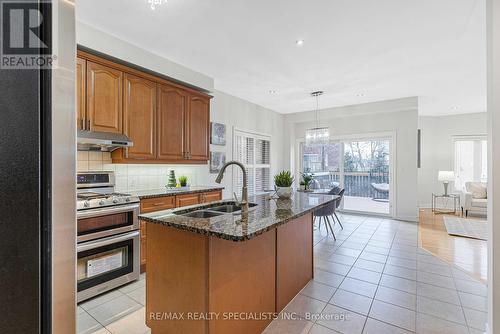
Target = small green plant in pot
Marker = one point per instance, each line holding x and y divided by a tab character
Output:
183	180
283	183
307	179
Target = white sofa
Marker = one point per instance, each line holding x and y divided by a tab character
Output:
474	198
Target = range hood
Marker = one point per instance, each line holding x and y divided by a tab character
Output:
101	141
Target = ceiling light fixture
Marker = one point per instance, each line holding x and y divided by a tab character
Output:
272	91
360	95
318	135
155	3
300	42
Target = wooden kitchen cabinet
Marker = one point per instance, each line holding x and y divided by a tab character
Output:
186	200
198	128
139	118
210	196
172	113
104	98
167	122
157	204
81	72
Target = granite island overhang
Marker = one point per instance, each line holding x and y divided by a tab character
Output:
228	273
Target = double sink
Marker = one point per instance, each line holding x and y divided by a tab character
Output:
214	211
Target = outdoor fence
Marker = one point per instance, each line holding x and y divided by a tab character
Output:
355	183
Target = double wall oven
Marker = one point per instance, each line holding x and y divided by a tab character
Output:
107	233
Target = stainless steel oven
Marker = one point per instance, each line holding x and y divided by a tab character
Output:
106	221
106	263
108	248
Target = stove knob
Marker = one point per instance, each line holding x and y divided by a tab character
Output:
101	202
86	204
127	199
115	200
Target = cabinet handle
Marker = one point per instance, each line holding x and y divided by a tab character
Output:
126	152
157	204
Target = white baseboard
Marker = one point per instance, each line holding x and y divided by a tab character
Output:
412	219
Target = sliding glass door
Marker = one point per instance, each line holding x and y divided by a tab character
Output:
366	176
362	167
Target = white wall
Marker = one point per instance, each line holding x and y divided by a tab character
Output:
438	152
493	30
224	108
98	40
397	116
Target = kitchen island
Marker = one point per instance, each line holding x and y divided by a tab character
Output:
229	273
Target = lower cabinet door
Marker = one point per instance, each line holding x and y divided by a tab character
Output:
186	200
212	196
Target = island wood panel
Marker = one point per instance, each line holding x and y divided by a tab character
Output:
104	98
294	258
178	280
242	279
169	202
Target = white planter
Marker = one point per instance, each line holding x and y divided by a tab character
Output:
284	192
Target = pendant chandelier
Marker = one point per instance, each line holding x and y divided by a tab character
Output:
318	135
156	3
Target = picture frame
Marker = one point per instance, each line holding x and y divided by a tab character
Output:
217	160
217	134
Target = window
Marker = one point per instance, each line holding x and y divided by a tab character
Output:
470	160
254	152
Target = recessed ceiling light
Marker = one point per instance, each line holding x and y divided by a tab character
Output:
299	42
455	108
360	95
272	91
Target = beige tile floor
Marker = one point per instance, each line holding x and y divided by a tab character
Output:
373	279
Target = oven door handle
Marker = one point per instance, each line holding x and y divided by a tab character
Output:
106	211
106	241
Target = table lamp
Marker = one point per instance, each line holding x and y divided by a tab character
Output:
446	176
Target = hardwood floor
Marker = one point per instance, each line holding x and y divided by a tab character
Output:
467	254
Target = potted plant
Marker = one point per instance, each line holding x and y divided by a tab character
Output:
283	183
183	180
307	179
302	185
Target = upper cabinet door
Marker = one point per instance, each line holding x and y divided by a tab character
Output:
198	128
104	98
139	114
80	93
172	113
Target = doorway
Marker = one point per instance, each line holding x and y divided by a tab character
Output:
362	165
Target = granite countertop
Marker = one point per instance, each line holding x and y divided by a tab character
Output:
143	194
268	214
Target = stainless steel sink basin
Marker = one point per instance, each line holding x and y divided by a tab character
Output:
201	214
230	208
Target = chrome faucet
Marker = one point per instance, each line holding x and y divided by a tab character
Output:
244	190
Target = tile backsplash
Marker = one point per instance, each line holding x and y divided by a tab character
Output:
131	177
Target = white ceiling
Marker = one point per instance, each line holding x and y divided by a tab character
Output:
381	49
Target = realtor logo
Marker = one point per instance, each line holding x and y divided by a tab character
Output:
24	41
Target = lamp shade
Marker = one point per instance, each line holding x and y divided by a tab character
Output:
446	176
